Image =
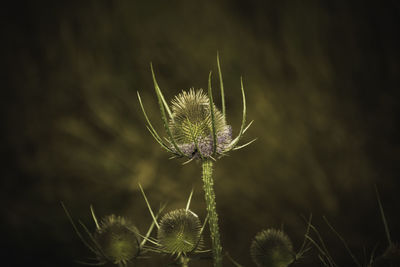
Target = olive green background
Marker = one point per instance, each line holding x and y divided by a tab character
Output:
322	85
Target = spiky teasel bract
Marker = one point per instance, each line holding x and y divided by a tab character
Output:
272	248
116	239
195	127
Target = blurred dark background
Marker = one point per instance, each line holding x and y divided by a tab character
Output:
322	82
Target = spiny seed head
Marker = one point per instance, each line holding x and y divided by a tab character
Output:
118	239
196	128
180	231
272	248
191	125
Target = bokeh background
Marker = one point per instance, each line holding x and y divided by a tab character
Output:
322	82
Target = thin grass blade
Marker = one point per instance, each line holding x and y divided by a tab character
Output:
186	162
383	216
235	263
94	217
327	254
91	263
372	257
150	126
148	239
242	146
77	231
201	232
242	127
343	241
221	84
162	144
323	261
303	248
158	90
163	106
149	207
189	200
248	126
210	97
151	227
91	237
319	249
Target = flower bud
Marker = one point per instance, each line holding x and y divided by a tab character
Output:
272	248
180	231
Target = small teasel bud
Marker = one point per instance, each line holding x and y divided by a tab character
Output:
118	239
272	248
180	232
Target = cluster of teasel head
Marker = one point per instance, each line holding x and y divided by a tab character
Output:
117	240
196	128
273	248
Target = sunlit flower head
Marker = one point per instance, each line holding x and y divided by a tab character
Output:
191	125
196	128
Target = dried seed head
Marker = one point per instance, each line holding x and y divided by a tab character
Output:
118	239
180	231
272	248
191	125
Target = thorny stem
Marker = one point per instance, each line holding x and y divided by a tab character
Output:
208	184
184	261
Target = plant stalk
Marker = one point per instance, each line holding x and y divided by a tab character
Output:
184	261
208	185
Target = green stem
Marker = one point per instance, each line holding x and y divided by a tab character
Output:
184	261
208	184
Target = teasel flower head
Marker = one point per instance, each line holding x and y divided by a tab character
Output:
195	128
180	232
272	248
192	126
116	240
